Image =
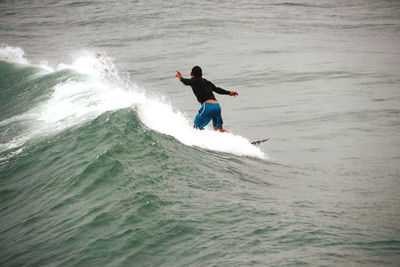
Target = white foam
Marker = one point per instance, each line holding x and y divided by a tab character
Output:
46	66
161	117
99	67
75	102
17	55
13	54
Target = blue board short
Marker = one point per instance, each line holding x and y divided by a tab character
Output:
207	112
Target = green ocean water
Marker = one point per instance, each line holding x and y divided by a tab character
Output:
114	192
100	166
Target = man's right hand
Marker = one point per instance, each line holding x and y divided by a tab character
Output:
178	75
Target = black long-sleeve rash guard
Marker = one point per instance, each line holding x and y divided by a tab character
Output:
203	89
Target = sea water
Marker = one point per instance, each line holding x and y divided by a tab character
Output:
100	165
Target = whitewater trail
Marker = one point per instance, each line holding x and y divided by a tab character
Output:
98	89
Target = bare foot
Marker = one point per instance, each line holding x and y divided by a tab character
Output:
222	130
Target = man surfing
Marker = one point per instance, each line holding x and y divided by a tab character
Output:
203	90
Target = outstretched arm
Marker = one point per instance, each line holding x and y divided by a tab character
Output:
222	91
183	80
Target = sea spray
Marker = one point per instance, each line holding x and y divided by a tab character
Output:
13	54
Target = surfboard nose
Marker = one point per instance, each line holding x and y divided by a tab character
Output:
256	143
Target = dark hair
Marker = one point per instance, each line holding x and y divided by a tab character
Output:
197	72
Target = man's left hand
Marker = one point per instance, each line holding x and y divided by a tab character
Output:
233	93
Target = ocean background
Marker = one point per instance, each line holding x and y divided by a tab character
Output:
100	165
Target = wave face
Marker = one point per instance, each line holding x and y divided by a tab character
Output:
89	160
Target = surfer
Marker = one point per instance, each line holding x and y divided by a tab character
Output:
203	90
